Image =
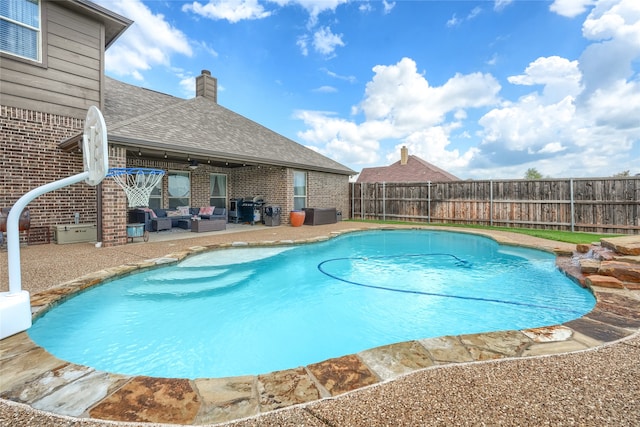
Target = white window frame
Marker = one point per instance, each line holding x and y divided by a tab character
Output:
38	31
300	197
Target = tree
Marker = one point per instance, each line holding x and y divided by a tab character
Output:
622	174
532	173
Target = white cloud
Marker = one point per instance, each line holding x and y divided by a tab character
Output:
400	94
615	29
388	6
150	41
570	8
325	42
188	85
340	138
313	7
528	124
559	76
571	123
586	118
303	44
432	144
400	104
350	79
365	7
325	89
552	147
231	10
454	21
499	5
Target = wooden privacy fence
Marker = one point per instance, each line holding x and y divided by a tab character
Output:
601	205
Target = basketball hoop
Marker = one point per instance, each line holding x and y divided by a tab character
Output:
137	183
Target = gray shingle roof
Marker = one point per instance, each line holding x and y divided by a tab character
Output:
136	115
415	170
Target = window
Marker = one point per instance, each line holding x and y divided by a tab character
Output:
299	190
179	189
218	190
20	32
155	199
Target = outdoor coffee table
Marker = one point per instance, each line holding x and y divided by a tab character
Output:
203	225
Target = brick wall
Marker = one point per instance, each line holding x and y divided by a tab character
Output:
326	190
114	203
30	158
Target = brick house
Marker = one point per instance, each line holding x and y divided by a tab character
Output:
408	169
48	80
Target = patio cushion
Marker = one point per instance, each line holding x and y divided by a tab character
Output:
206	210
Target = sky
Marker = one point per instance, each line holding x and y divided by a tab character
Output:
483	89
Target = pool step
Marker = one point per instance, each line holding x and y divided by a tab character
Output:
190	287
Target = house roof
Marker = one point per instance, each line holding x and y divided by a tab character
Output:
415	170
147	120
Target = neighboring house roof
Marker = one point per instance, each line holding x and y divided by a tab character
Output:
201	127
415	170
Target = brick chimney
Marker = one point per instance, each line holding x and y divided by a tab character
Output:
404	155
207	86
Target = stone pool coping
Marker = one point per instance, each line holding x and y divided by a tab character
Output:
32	376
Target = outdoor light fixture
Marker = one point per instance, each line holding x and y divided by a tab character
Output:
165	154
208	161
193	165
139	152
188	158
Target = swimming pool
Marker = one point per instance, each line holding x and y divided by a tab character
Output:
253	310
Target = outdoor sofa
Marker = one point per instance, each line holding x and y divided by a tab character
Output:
165	219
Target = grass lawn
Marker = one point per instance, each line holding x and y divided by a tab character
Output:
560	236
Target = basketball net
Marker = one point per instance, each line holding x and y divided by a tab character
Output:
137	183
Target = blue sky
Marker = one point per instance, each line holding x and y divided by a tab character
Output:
482	89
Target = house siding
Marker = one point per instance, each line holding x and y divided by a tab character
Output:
68	80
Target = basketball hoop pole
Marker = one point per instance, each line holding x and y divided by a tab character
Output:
15	305
13	233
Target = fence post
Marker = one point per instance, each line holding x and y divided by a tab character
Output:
491	203
572	205
362	200
353	200
429	202
384	202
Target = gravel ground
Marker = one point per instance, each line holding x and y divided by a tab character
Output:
592	388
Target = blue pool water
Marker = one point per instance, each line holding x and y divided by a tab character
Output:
252	310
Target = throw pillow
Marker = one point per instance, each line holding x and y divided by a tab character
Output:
207	210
